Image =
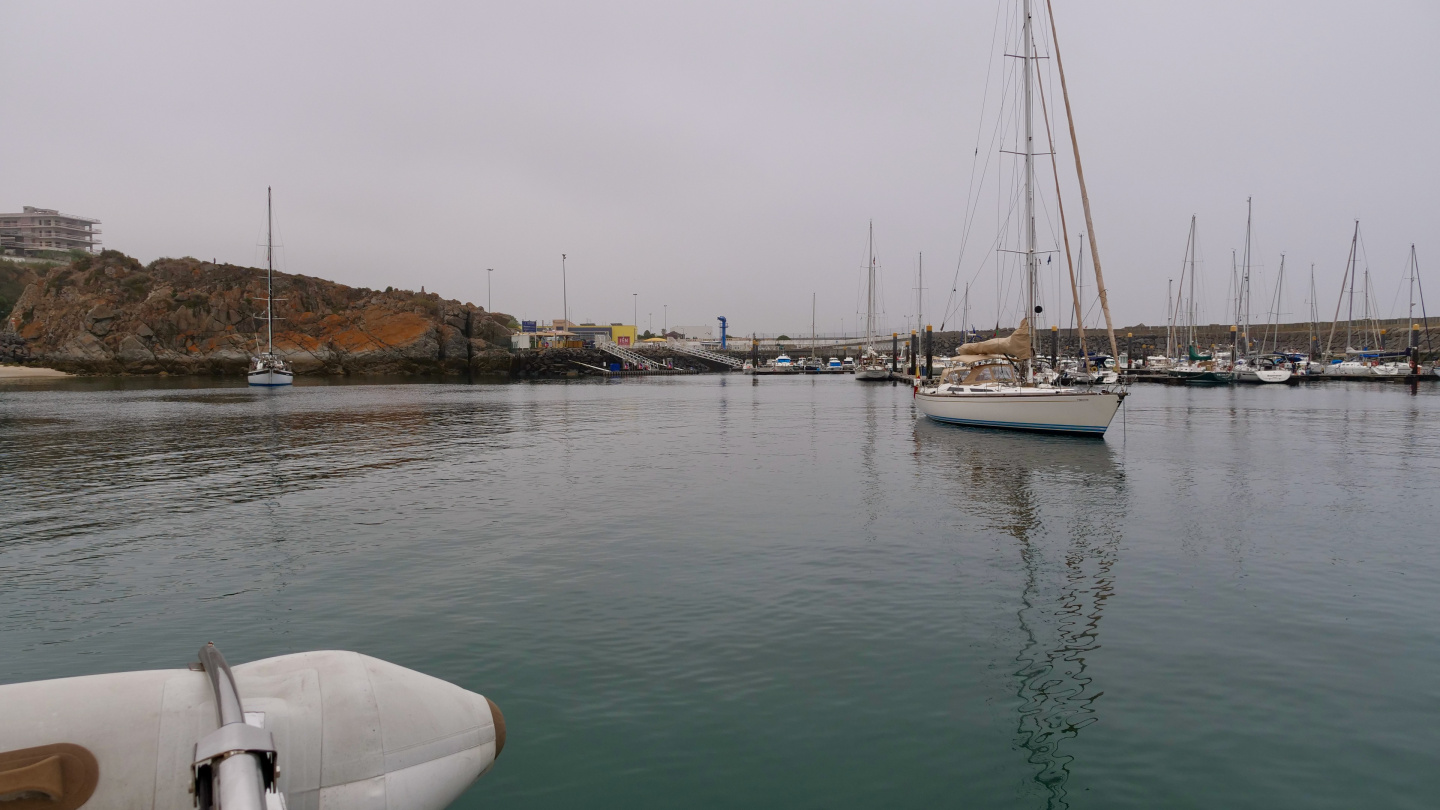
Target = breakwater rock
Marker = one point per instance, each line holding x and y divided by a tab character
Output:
109	314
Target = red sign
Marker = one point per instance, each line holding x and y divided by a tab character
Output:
623	340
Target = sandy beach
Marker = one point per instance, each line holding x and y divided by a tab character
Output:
15	372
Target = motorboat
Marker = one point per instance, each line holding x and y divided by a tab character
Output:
1269	369
1207	373
1349	368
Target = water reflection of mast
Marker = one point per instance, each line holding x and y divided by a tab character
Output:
1061	627
1019	481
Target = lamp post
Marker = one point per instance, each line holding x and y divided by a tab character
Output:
488	271
564	292
635	301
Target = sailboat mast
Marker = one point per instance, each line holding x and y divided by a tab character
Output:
1350	315
1314	313
965	313
1410	319
1080	304
1170	327
269	273
1191	341
1245	279
870	296
1030	266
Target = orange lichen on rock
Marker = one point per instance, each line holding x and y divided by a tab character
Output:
109	313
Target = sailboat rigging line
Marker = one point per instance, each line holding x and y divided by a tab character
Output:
1348	277
1188	258
1059	203
1084	193
972	194
1420	287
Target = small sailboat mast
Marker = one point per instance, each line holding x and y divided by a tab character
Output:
269	275
870	299
1244	291
268	369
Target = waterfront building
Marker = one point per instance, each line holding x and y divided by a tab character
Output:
43	230
618	333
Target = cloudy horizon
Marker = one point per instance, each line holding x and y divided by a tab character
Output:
721	160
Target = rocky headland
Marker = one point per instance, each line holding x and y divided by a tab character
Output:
109	314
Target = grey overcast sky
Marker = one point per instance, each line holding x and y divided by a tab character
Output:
721	158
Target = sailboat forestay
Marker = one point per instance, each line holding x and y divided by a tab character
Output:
269	369
994	383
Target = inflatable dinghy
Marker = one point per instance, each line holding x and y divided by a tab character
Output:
304	732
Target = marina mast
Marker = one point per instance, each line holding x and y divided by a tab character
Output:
1031	268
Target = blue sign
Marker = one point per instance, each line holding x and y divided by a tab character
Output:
527	326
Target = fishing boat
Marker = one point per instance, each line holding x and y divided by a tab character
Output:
784	361
993	383
268	369
872	366
834	366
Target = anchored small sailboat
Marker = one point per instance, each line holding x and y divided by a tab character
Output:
995	383
871	367
269	369
1247	367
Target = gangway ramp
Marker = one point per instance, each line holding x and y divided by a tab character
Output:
706	354
628	356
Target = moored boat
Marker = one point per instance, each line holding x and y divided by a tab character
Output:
268	369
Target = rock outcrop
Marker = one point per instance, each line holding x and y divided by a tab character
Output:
109	314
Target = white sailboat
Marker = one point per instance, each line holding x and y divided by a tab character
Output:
993	383
269	369
872	366
1248	368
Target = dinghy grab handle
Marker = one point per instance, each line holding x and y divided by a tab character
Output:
234	765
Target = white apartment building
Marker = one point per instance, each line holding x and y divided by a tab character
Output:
39	230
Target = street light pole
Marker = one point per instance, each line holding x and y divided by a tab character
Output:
564	292
635	302
488	271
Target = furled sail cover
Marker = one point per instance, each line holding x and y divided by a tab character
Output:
1016	345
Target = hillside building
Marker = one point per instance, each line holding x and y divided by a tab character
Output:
42	230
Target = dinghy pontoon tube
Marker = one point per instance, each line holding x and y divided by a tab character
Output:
335	730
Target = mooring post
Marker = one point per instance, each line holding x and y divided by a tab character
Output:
1234	346
1054	346
929	351
894	352
914	354
1129	350
1414	350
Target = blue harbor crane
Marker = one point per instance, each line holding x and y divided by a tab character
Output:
722	331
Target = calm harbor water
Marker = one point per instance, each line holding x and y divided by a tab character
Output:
714	592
